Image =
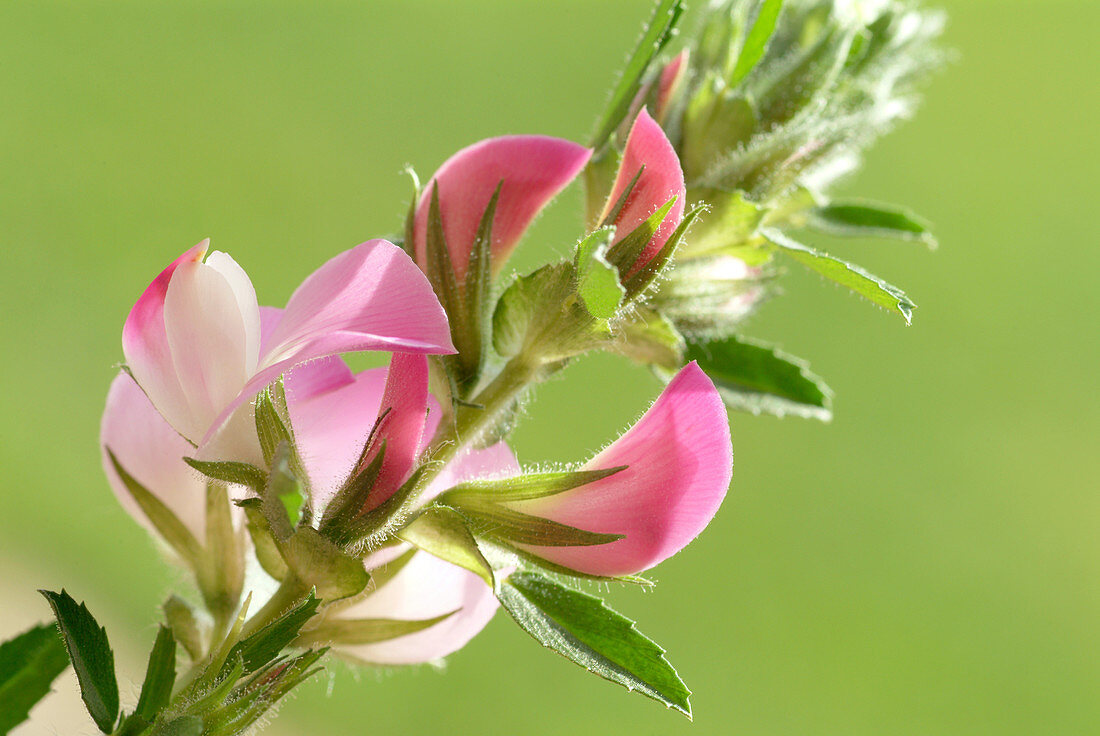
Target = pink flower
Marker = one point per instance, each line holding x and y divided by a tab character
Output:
530	169
680	462
649	151
332	412
193	341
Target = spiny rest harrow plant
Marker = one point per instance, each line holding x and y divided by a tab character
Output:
381	516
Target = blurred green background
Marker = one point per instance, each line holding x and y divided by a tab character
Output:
929	563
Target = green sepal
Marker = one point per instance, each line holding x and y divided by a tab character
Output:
221	574
599	178
658	31
443	532
477	289
583	629
715	123
755	377
617	207
349	502
248	702
597	280
91	655
181	619
282	495
756	42
408	243
228	471
729	227
318	562
509	526
29	663
625	253
263	541
272	421
847	274
649	338
183	726
813	73
366	630
647	274
167	524
537	314
866	219
522	487
160	676
258	649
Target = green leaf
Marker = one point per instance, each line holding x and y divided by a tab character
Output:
523	487
443	532
847	274
29	663
871	220
265	645
230	472
91	655
756	377
581	628
185	626
597	280
657	33
756	43
408	243
366	630
167	524
160	676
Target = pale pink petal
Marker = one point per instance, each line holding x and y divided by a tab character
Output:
671	76
331	428
426	587
145	342
213	326
661	180
680	463
151	451
533	169
405	408
372	297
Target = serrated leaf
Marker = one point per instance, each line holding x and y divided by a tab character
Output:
29	663
871	220
847	274
230	472
583	629
658	31
597	280
167	524
756	43
258	649
366	630
755	377
160	676
91	655
443	532
523	487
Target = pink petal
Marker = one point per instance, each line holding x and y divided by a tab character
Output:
372	297
426	587
405	405
332	426
680	463
671	76
151	451
533	169
145	342
496	461
213	326
661	180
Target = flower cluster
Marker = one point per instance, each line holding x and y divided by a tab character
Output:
382	514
